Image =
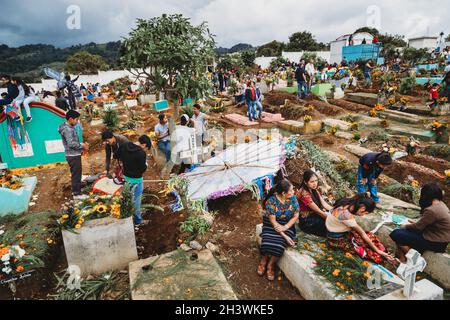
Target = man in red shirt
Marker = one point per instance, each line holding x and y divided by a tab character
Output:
434	95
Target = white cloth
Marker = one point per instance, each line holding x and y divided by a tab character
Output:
310	69
163	130
181	141
200	123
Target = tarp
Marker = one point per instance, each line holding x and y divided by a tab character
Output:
239	165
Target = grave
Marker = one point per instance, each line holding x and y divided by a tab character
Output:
101	245
400	116
298	127
321	89
147	99
179	275
368	121
407	131
161	105
424	80
130	103
299	270
39	142
341	125
17	201
344	135
240	119
356	150
368	99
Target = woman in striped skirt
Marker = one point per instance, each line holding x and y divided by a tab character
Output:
281	213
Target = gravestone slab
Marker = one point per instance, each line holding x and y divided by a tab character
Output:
341	125
101	245
179	275
400	116
368	99
369	121
344	135
147	99
425	290
438	266
421	135
291	125
131	103
17	201
356	150
312	127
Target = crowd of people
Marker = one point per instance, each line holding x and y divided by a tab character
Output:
301	203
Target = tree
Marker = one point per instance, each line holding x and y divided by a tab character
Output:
413	55
318	61
171	53
303	41
395	40
248	57
271	49
85	63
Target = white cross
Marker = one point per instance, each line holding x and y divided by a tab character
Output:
415	263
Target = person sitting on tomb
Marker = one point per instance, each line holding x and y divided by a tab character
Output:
163	135
370	168
11	94
344	233
313	207
432	231
278	232
61	102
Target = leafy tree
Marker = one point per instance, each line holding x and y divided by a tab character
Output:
248	58
278	62
303	41
172	53
413	55
385	39
85	63
271	49
318	61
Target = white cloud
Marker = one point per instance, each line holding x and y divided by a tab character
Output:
233	21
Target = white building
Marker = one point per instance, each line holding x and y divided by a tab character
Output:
423	42
343	41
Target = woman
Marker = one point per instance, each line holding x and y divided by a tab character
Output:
281	213
313	208
432	231
344	232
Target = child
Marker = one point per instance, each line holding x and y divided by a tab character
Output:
370	167
434	95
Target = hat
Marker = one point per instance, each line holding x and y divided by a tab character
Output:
186	117
72	114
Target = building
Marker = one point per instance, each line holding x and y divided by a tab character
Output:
337	45
423	42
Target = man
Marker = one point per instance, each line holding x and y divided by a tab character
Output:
311	72
134	160
250	100
368	73
73	150
370	167
163	135
199	120
112	144
74	93
300	76
344	62
181	143
12	92
259	97
221	77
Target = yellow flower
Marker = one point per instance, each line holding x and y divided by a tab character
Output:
348	255
78	226
66	216
349	298
415	183
100	208
447	173
336	272
367	275
349	274
366	264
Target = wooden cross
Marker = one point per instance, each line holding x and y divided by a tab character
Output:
415	263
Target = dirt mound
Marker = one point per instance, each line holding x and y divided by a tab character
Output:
277	98
295	169
440	165
347	105
325	108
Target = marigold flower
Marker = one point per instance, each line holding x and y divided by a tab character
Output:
336	272
348	255
20	269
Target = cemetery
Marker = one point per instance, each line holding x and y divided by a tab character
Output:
207	215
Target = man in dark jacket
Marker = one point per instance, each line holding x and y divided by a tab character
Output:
12	92
302	81
73	149
112	144
134	161
370	167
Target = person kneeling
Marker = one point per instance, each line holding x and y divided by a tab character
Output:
344	232
432	231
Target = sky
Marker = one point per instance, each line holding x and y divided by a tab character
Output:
70	22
